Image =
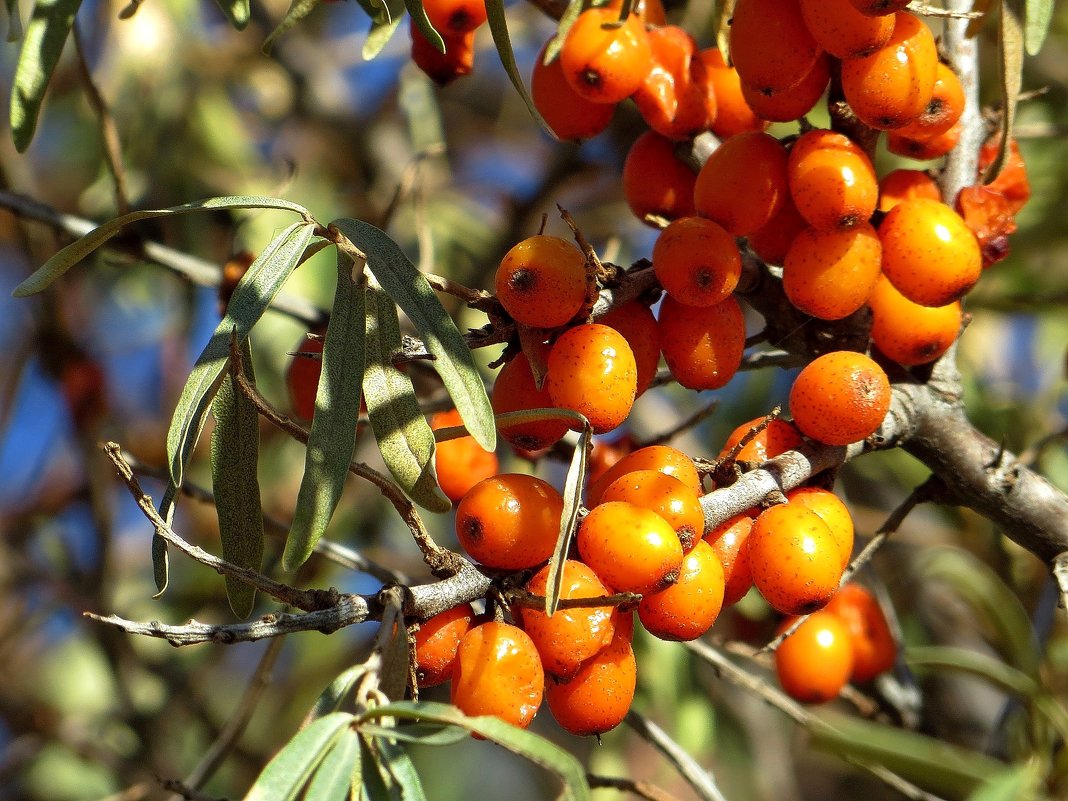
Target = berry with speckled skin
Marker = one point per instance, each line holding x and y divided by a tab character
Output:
436	643
498	672
510	521
635	321
662	458
944	110
794	559
666	495
832	511
460	463
592	371
774	439
831	180
632	549
606	64
514	391
599	696
733	114
844	32
703	351
689	607
831	274
771	47
929	253
784	105
907	332
772	241
655	181
874	648
541	281
743	183
730	542
570	636
899	185
840	397
925	148
568	114
814	663
697	262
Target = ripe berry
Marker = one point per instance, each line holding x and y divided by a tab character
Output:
605	61
675	99
498	672
302	378
772	241
945	108
666	495
875	8
689	607
604	454
784	105
696	261
568	114
840	397
635	321
814	663
840	29
730	542
874	649
907	332
831	180
743	183
831	274
733	114
703	351
541	281
444	68
455	17
778	437
515	390
832	512
592	371
436	643
771	47
923	149
655	181
662	458
460	463
632	549
510	521
898	185
599	696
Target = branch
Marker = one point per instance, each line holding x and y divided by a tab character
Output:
696	776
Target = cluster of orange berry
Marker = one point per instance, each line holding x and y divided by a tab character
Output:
456	21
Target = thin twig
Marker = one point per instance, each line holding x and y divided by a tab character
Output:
624	600
644	790
925	10
696	776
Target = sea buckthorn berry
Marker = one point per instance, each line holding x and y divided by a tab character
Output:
605	454
592	371
874	649
893	85
689	607
772	241
655	181
771	47
1011	182
794	559
570	636
455	17
814	663
743	183
907	332
498	672
733	114
696	261
703	351
460	463
662	458
878	8
831	274
793	102
541	281
898	185
635	321
510	521
666	495
675	98
945	108
925	149
831	180
599	696
730	542
568	114
444	68
840	397
514	391
929	254
605	61
632	549
832	511
840	29
302	377
436	643
778	437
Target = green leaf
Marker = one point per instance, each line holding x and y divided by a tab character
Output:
519	741
332	780
1016	783
373	783
567	19
1037	17
422	22
14	21
721	25
237	11
78	250
405	777
234	459
252	296
285	775
298	10
576	477
332	439
378	38
46	33
417	733
404	436
498	25
410	290
333	696
974	663
160	560
1010	69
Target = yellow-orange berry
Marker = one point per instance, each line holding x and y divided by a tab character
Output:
772	241
814	663
743	183
592	371
733	114
460	463
514	391
840	29
541	281
832	511
605	61
907	332
655	181
689	607
898	185
831	180
498	672
436	643
840	397
703	351
793	102
730	542
926	148
675	98
770	45
510	521
663	458
944	110
567	113
874	648
666	495
599	696
632	549
696	261
778	437
635	321
831	274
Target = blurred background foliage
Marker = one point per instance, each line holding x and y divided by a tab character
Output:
88	713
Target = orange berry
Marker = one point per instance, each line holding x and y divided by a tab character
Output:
455	17
541	281
605	454
632	549
929	253
592	371
662	458
771	47
794	559
874	649
743	183
733	114
655	181
730	542
570	636
772	240
832	511
893	85
778	437
840	397
831	180
793	102
1011	183
436	643
510	521
567	113
898	185
599	696
675	98
514	391
460	463
814	663
697	262
666	495
605	61
302	377
444	68
840	29
876	8
945	108
689	607
635	321
831	274
907	332
702	350
498	672
925	149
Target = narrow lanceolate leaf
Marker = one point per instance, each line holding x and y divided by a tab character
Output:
422	22
1037	16
287	773
576	477
498	25
401	769
373	786
417	733
237	11
14	21
334	695
77	251
46	33
378	37
721	24
234	459
410	290
404	436
1018	782
1010	65
252	296
333	778
298	10
332	439
567	19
